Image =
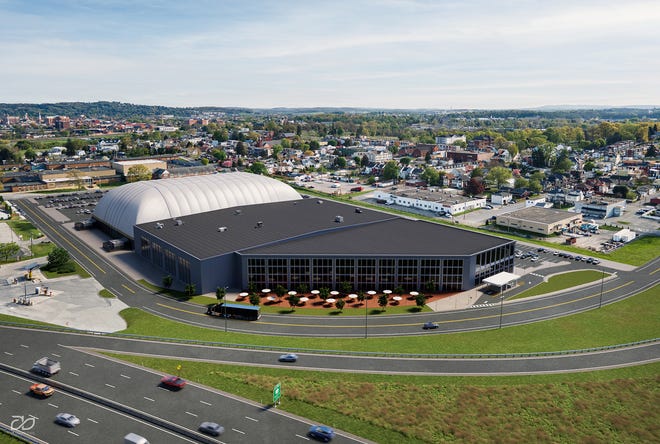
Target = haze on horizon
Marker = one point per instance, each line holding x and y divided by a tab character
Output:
358	53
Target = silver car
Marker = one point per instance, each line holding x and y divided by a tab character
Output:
67	419
211	428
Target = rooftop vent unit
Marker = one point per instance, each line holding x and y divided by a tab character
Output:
259	224
159	225
222	229
339	219
178	222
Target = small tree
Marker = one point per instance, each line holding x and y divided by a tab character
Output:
340	304
220	293
324	293
399	290
382	301
252	287
360	296
302	288
57	258
167	281
8	250
254	299
294	300
280	291
190	289
420	300
430	286
345	287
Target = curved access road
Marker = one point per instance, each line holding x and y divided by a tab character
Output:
619	285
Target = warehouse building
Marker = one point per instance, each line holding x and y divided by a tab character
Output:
540	220
291	241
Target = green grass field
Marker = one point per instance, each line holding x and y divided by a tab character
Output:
632	319
561	282
607	406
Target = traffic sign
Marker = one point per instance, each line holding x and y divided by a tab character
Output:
277	392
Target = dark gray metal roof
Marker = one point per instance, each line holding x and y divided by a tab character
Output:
310	227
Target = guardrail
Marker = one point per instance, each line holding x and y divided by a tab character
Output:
338	352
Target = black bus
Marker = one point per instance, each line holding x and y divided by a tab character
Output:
235	311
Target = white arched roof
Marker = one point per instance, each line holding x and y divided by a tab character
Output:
148	201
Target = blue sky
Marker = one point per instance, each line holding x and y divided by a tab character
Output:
363	53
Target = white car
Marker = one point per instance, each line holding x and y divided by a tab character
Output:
67	419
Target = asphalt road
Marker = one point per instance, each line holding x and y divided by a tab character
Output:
488	312
132	386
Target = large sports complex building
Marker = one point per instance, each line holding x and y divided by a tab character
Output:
235	229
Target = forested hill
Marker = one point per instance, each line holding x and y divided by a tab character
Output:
119	110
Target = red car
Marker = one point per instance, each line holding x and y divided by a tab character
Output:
173	381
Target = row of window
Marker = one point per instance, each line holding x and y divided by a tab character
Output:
359	274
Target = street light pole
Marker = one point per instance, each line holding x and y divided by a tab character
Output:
501	306
366	313
225	306
602	281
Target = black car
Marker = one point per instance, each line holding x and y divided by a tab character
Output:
430	326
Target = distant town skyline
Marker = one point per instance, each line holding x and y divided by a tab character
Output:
362	53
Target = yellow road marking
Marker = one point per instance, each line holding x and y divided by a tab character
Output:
128	288
63	238
654	271
180	309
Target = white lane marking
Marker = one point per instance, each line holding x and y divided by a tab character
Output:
252	419
124	376
163	388
89	365
10	354
25	346
17	392
74	374
90	419
73	433
110	385
54	406
204	402
56	355
149	399
238	431
191	414
303	437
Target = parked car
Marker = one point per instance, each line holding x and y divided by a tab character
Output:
42	389
173	381
430	326
289	357
211	428
321	433
67	419
596	261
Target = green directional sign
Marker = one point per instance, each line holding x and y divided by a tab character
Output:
276	392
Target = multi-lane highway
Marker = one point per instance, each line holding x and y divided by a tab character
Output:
85	371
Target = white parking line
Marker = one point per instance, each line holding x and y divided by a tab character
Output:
252	419
89	365
90	419
303	437
149	399
191	414
124	376
206	403
110	385
25	346
17	392
238	431
54	406
74	374
10	354
56	355
73	433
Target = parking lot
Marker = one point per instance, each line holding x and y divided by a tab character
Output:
74	207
